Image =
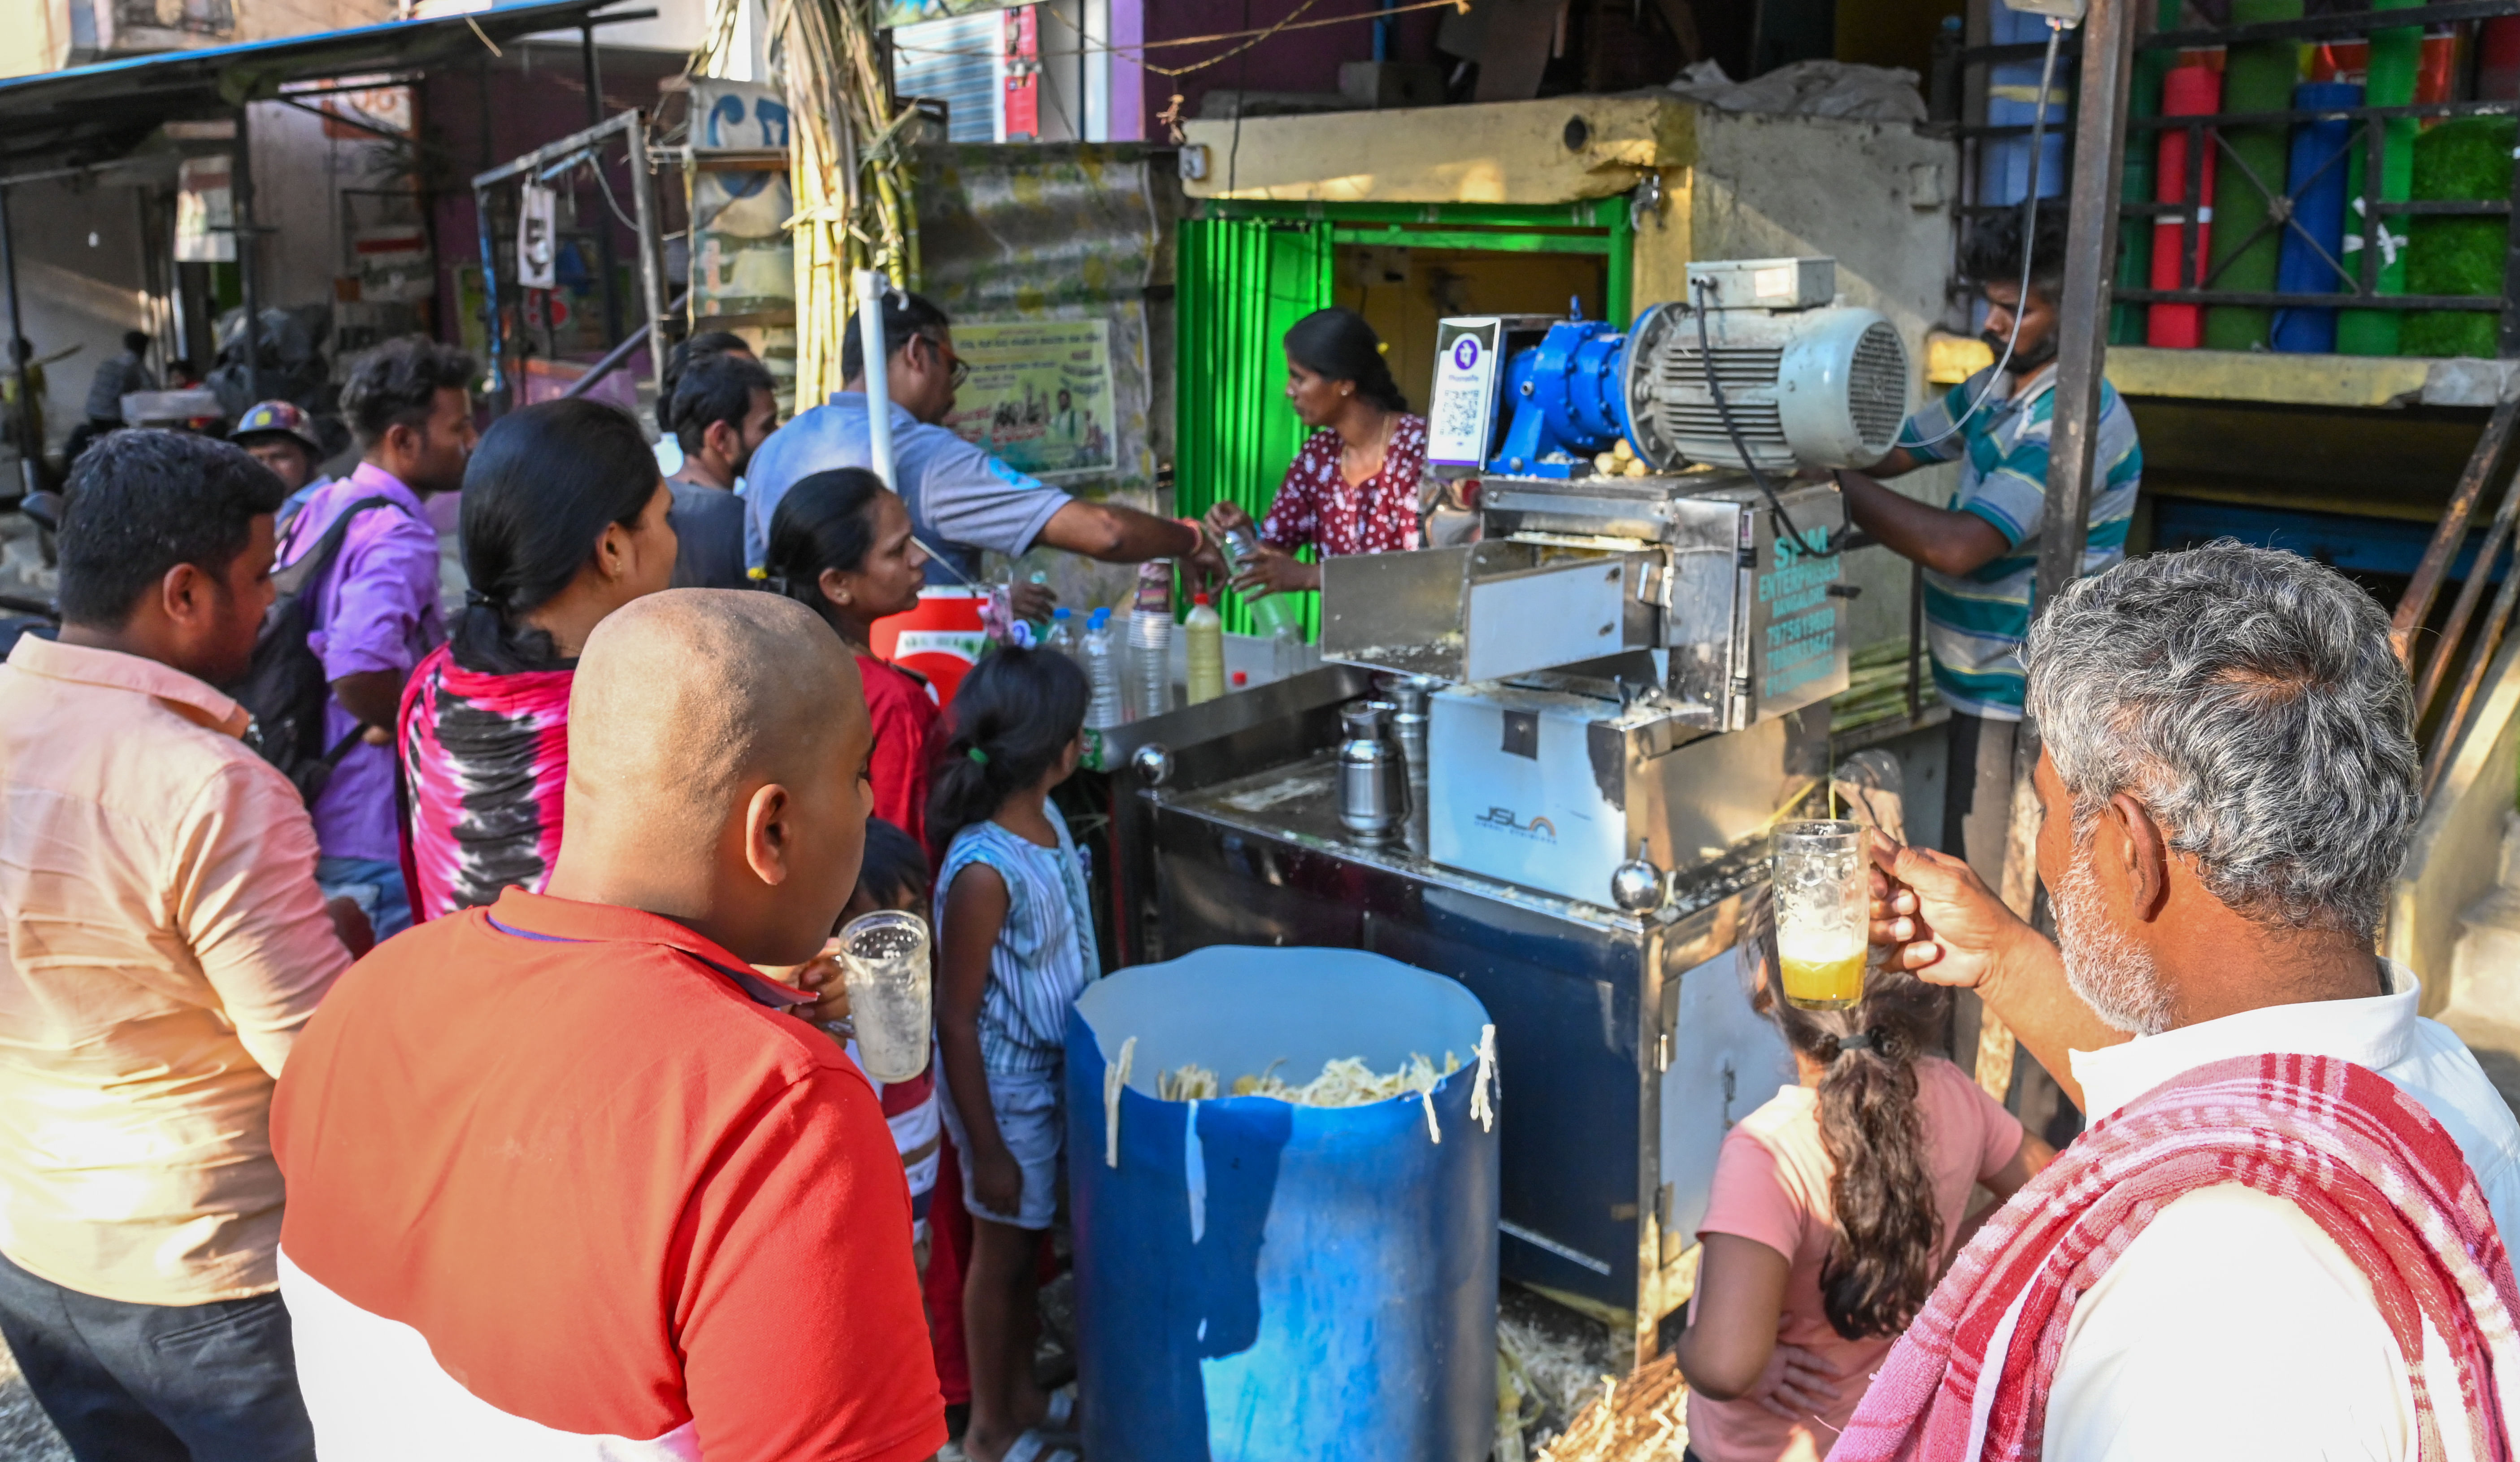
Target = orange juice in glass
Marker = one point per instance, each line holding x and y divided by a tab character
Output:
1823	907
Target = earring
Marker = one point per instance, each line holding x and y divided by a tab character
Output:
844	598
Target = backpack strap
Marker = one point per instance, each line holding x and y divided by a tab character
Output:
313	564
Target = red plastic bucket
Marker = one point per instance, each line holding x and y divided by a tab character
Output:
941	639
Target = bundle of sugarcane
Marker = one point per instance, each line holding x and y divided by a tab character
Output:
850	181
1876	687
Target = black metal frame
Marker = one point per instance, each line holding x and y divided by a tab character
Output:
2361	280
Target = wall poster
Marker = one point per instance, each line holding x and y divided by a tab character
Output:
1039	397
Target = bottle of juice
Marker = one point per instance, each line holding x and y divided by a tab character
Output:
1268	611
1205	629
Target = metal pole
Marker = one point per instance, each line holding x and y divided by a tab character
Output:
872	285
651	262
240	197
495	388
2082	349
30	452
603	250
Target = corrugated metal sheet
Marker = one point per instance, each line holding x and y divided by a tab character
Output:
955	61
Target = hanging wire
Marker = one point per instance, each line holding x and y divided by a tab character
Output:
2029	236
1782	520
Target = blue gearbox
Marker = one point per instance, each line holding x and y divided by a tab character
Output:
1568	401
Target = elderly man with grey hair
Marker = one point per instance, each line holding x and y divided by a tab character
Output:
2282	1235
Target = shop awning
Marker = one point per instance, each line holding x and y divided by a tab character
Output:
94	114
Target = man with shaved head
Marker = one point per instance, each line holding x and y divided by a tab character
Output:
566	1178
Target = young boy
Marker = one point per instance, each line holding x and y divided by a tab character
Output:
894	876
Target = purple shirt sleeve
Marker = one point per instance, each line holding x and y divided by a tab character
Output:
383	614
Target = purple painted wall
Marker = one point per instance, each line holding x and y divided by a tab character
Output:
1292	61
536	94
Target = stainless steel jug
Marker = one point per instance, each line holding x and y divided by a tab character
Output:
1373	773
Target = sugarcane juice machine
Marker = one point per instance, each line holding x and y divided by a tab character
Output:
1638	653
1625	683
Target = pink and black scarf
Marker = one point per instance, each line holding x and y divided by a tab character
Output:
2363	1162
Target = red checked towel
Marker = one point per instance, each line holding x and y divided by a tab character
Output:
2364	1161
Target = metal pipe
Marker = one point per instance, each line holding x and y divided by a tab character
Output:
651	262
872	285
240	203
606	255
2082	333
613	361
30	452
495	388
2416	604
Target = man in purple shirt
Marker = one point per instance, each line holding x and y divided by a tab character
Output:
375	612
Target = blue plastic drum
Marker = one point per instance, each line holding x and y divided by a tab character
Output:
1258	1281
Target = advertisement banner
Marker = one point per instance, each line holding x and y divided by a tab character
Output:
204	212
1039	397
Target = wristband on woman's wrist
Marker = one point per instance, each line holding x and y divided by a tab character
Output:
1198	534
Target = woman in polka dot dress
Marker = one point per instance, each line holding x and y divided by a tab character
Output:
1353	489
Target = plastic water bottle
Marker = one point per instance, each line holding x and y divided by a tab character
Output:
1150	642
1102	672
1062	633
1205	629
1268	611
1288	654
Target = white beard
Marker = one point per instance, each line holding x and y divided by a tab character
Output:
2112	973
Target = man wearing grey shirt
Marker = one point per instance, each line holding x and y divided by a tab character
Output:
962	500
117	378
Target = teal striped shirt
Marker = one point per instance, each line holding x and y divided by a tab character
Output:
1975	622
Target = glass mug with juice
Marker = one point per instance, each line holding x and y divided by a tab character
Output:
883	958
1824	913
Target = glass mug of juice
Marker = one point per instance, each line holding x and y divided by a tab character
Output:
884	957
1824	913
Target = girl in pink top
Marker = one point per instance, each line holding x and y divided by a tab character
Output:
1834	1210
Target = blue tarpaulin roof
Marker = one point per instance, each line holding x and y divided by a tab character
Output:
93	113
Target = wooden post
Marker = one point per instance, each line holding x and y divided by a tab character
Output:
2081	350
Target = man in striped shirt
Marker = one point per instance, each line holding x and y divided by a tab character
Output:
1981	553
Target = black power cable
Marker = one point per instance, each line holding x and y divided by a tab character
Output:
1784	521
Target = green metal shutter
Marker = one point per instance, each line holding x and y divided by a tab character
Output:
1242	282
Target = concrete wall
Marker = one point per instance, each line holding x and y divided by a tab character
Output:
2455	858
1873	196
79	282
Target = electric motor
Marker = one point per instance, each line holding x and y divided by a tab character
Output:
1808	387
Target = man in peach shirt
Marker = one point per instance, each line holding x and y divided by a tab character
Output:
162	943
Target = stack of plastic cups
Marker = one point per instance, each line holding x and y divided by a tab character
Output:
1102	663
2314	240
2189	91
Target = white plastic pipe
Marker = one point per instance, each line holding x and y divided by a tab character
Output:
871	288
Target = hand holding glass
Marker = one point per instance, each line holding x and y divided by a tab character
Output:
883	958
1824	905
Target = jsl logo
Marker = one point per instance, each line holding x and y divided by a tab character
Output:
1503	820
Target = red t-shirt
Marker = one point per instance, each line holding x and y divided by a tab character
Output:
908	731
564	1181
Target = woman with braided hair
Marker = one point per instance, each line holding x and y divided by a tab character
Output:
1835	1207
563	522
